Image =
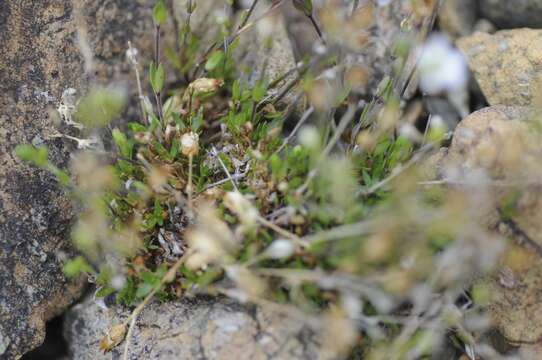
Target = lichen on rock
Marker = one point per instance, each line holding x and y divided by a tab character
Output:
41	56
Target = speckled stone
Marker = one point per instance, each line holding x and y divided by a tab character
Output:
500	141
193	328
39	59
508	14
507	65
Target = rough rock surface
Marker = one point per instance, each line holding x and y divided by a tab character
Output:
39	58
198	328
507	65
458	17
516	297
266	46
370	35
508	14
502	142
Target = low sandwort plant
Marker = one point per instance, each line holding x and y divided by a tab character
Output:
216	190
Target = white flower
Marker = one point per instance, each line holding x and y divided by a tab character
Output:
442	67
280	249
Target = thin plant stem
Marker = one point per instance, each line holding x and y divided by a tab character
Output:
215	152
346	119
138	81
283	232
301	121
397	171
189	187
248	25
247	17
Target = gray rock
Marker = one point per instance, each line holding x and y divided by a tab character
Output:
301	32
458	17
39	59
499	142
197	328
508	14
506	65
266	50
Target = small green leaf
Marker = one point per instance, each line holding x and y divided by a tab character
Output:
77	266
62	177
157	77
143	290
214	60
158	212
259	91
159	13
124	145
126	295
136	127
174	150
103	292
236	90
37	156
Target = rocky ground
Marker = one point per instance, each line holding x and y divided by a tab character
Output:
44	51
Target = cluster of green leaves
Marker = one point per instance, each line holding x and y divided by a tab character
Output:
255	128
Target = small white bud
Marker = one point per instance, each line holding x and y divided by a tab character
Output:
309	137
280	249
118	282
351	305
131	54
237	203
190	144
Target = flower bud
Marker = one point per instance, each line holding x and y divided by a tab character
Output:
204	86
190	144
131	54
280	249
